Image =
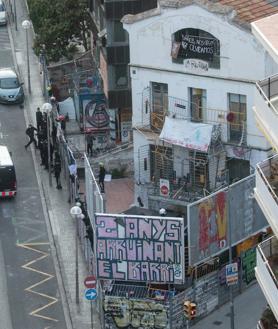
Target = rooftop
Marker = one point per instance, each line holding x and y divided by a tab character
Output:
266	31
251	10
241	11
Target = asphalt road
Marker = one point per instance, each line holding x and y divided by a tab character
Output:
30	297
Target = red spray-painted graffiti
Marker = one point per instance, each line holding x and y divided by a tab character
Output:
213	222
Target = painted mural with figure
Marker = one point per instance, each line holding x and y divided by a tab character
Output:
132	313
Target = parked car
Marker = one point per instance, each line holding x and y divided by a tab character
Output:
3	13
11	91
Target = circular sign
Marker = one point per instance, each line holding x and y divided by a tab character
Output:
91	294
90	281
164	190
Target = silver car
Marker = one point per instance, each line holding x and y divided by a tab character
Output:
11	91
3	13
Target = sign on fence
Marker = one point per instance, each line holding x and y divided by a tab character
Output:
139	248
231	274
208	220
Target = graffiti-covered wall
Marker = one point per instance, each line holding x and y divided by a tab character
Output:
209	217
140	248
123	312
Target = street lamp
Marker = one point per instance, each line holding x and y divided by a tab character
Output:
47	107
76	214
26	25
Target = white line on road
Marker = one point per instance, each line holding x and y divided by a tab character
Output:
5	314
19	58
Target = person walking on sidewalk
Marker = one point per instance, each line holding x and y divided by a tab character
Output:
39	119
30	132
101	177
90	140
57	170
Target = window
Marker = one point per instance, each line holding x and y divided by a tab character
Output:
159	104
120	76
119	34
145	164
198	100
195	44
237	118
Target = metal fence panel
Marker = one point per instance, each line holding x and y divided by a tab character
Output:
208	220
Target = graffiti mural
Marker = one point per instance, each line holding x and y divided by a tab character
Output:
248	259
95	113
212	223
209	217
139	248
133	313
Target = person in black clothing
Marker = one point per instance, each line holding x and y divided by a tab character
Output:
101	176
90	139
30	132
41	140
44	154
39	119
57	170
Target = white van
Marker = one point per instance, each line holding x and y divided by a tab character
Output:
7	173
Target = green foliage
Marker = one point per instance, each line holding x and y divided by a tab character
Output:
56	23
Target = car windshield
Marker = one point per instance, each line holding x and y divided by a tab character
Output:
2	7
9	83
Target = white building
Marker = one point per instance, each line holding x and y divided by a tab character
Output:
194	67
266	191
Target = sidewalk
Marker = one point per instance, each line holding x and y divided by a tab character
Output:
248	308
61	227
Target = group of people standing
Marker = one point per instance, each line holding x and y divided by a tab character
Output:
41	143
90	138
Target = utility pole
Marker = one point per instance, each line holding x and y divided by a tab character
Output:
15	16
232	314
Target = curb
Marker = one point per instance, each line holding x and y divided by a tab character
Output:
56	255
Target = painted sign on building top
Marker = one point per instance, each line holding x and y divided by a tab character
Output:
139	248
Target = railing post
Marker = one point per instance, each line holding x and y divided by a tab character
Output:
269	89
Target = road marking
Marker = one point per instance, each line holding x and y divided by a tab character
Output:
5	314
19	58
27	266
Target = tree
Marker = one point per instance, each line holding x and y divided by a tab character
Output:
58	25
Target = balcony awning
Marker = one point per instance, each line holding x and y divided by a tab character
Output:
191	135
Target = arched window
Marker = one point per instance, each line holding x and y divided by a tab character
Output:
195	44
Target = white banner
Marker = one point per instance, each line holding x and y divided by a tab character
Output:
191	135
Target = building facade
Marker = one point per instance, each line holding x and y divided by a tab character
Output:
110	48
266	114
193	86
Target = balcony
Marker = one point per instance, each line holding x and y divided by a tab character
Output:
266	190
154	110
266	108
267	271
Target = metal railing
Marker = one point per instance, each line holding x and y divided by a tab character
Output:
153	114
265	170
268	88
268	250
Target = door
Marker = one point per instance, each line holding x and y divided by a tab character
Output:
198	103
159	104
237	169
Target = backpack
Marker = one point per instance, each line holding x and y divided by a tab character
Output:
28	132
